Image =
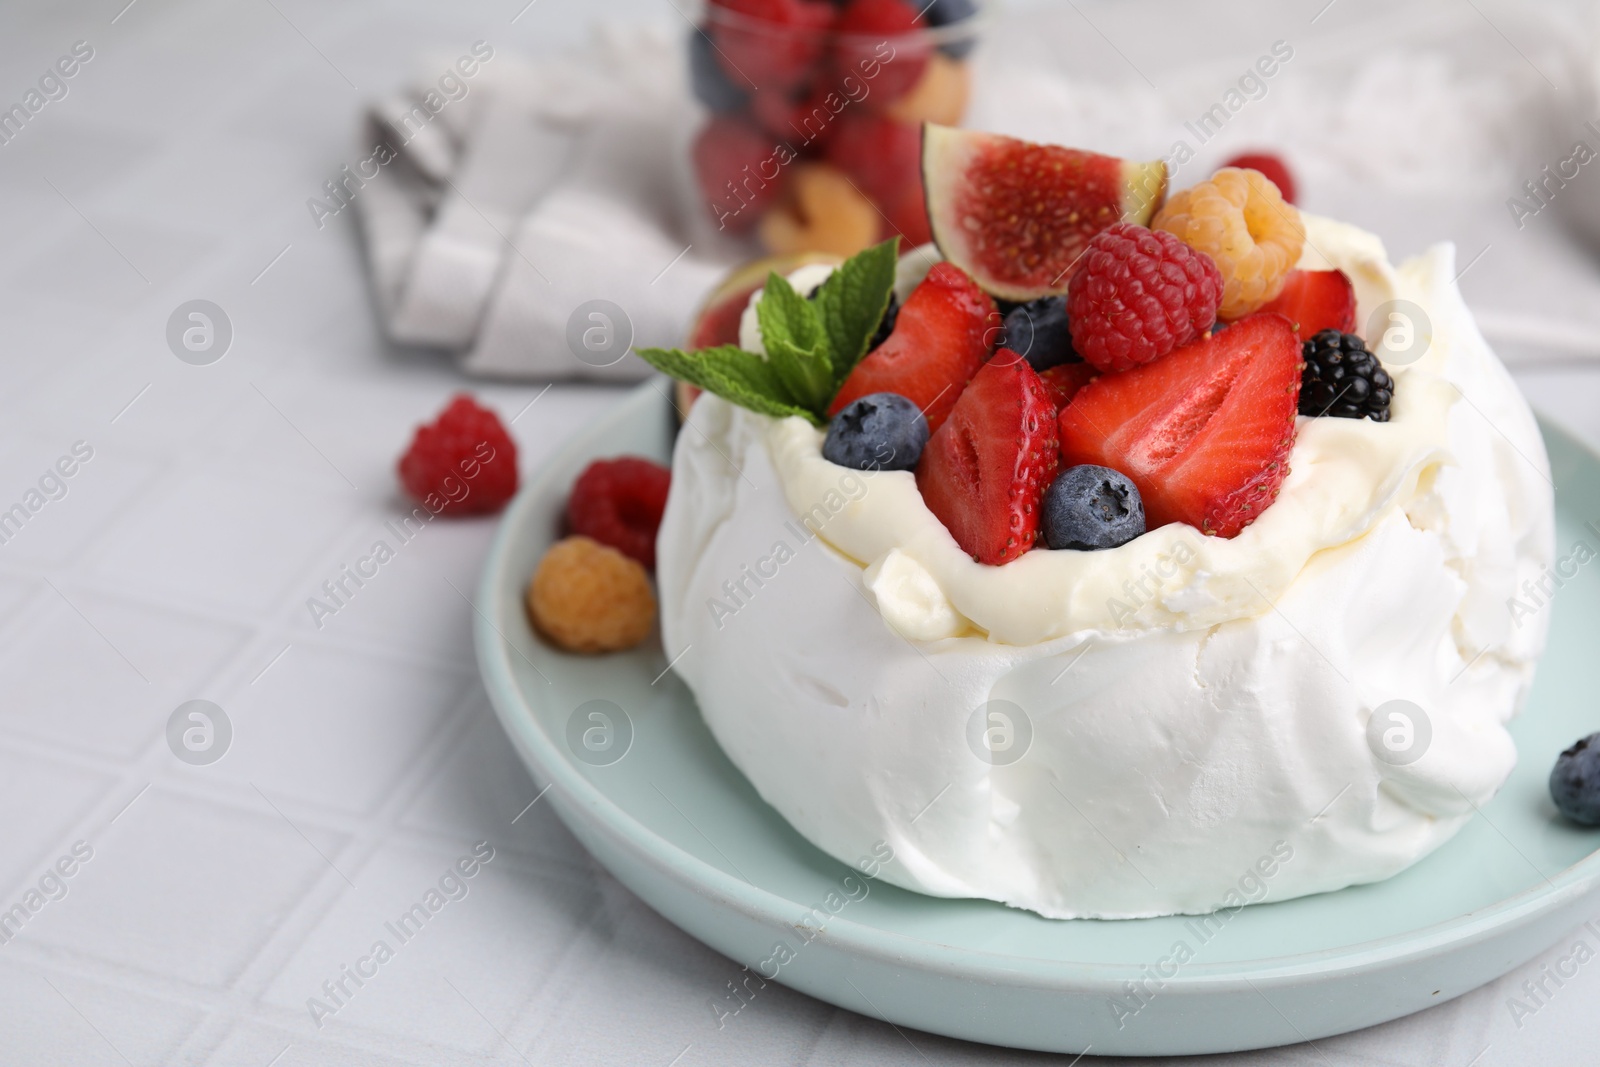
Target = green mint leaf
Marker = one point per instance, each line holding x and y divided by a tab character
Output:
812	345
797	345
852	301
730	372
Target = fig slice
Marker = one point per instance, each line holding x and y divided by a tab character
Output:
1016	215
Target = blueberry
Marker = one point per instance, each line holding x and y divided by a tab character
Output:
947	12
1091	507
711	83
944	12
1575	782
1038	332
881	431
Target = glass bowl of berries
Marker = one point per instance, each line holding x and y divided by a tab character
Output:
812	135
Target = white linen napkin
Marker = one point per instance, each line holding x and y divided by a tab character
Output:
521	196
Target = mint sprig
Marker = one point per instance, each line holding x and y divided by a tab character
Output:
812	344
852	301
798	349
732	373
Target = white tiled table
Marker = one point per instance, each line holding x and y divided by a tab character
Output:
365	759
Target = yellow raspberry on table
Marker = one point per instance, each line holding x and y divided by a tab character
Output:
1241	221
588	597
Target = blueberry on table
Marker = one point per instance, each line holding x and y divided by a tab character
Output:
1039	332
1091	507
1575	782
880	431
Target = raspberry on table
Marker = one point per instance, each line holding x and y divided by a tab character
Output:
1241	221
1137	294
587	597
618	502
1343	380
463	463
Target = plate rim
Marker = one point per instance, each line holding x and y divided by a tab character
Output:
494	651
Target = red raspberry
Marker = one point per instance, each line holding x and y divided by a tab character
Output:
1275	170
862	32
619	502
738	169
771	44
1138	294
463	464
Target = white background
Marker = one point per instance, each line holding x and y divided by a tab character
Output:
365	758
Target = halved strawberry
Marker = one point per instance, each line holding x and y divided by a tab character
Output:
1204	432
1065	379
1317	300
983	473
940	339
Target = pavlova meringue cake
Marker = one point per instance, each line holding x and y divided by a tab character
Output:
1179	722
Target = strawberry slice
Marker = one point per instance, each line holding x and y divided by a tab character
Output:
1204	432
1065	379
983	473
940	339
1317	300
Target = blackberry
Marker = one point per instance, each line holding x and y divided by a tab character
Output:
1343	380
891	314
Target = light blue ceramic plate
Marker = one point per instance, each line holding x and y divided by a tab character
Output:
674	820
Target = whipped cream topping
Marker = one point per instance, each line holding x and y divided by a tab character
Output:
1345	474
1182	705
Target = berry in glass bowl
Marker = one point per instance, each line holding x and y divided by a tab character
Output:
813	111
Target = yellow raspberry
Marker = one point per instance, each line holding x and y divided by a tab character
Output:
588	597
1241	221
